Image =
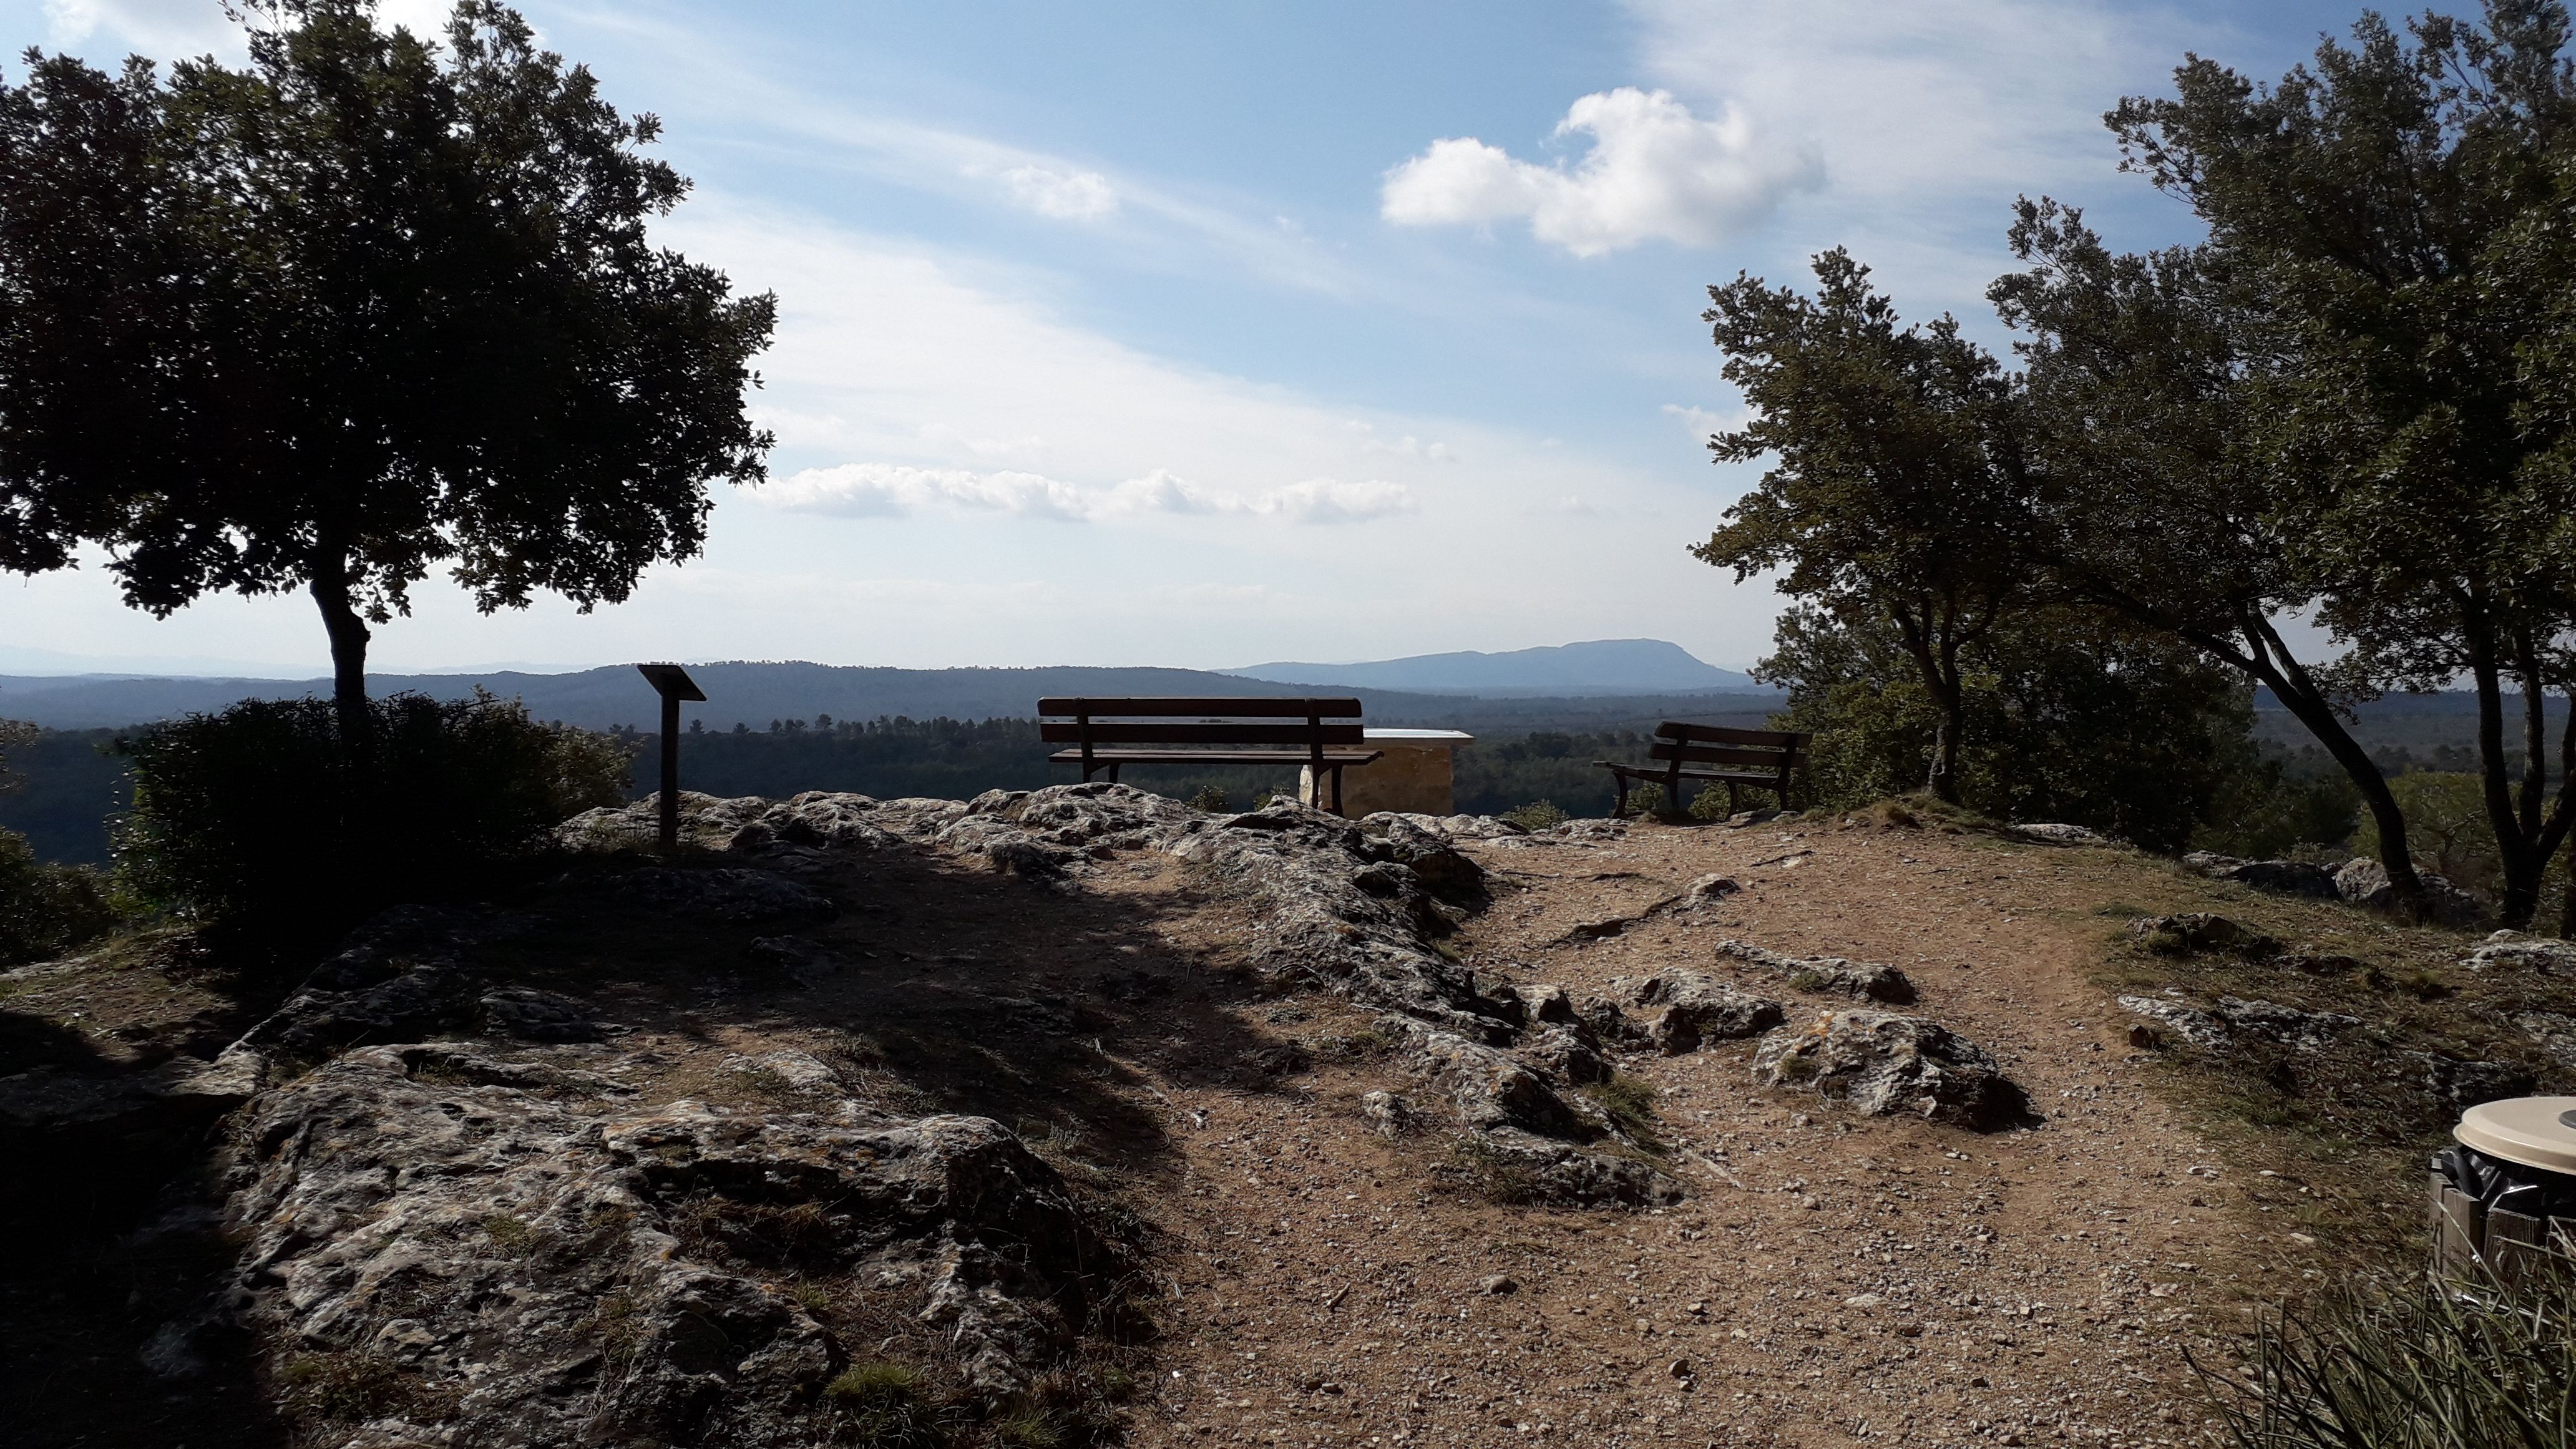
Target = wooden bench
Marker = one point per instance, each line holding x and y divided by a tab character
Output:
1207	732
1763	759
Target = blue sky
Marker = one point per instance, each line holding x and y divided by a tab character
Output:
1200	335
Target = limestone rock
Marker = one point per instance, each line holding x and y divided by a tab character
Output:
2201	931
1691	1008
1388	1114
2288	1025
1566	1054
1708	890
2283	877
2461	1084
1485	1086
730	893
1538	1170
490	1239
1883	1063
2363	881
2056	833
2553	1033
2508	950
2190	1023
1453	827
1868	979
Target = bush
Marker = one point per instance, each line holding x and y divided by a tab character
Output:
2068	718
2422	1367
47	909
264	810
1537	815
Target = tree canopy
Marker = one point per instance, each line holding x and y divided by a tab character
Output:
1896	491
365	307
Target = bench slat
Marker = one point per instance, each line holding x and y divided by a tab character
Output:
1721	755
1649	774
1214	757
1259	708
1723	735
1057	733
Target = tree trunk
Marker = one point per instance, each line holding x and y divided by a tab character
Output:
2272	663
348	633
1943	783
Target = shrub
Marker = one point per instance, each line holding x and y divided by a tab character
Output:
1208	798
1537	815
2423	1366
46	909
263	809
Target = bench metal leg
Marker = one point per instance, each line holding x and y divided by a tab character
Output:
1620	810
1337	789
1113	774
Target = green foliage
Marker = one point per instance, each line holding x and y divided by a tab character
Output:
363	307
47	909
266	810
1208	798
2066	720
1536	815
2448	829
1897	501
2421	1365
2348	402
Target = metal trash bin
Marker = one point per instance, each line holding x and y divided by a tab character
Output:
2504	1196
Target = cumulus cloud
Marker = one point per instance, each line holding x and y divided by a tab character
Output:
1063	195
1654	172
895	490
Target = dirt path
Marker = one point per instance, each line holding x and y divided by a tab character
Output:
1831	1278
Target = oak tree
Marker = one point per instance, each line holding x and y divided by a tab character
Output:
367	306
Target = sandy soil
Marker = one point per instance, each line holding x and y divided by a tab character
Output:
1832	1278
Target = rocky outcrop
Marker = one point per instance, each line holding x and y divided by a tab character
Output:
2057	833
2196	931
2180	1021
2513	951
2287	1025
557	1267
1549	1148
1689	1009
1883	1064
1866	979
2458	1084
2281	877
2364	882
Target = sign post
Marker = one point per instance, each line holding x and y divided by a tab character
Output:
673	684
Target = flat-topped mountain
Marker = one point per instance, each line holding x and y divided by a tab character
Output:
1600	666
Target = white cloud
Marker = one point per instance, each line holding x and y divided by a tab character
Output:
1654	172
171	29
895	490
1322	500
1063	195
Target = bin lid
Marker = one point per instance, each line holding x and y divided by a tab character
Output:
2534	1131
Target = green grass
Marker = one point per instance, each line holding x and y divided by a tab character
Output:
1630	1101
886	1406
2419	1365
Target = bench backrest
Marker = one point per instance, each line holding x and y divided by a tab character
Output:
1209	721
1777	750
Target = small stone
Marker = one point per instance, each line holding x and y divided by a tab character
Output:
1679	1368
1497	1285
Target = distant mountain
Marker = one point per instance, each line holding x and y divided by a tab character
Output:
1603	666
752	694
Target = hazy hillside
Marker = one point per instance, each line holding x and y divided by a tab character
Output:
1601	666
